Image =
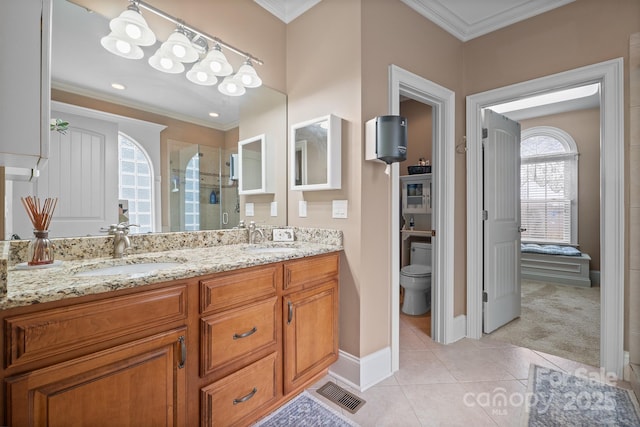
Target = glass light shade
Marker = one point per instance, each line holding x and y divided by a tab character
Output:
201	76
179	47
230	86
131	24
121	47
247	76
217	63
165	63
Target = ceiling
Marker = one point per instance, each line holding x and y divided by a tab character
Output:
465	19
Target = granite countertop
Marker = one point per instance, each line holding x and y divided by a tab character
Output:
39	285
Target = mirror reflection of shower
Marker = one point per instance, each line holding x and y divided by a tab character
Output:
203	195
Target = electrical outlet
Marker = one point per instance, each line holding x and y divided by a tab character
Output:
282	235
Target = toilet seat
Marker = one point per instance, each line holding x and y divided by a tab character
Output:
416	270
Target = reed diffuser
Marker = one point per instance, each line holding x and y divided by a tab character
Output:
40	250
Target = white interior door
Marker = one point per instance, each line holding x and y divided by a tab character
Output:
501	281
82	172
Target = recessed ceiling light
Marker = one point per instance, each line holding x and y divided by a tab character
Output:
214	114
118	86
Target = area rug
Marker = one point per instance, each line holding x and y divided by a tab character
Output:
305	411
557	319
557	398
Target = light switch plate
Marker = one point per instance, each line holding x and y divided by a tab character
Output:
340	208
274	208
248	209
282	235
302	208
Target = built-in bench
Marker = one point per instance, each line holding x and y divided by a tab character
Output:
549	265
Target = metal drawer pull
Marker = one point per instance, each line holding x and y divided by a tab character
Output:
245	334
183	352
245	398
290	318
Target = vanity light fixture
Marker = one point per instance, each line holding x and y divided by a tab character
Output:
230	86
129	31
247	75
187	44
217	62
178	47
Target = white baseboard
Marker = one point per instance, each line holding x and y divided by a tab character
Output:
459	329
365	372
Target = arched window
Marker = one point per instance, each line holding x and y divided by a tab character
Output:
192	194
135	186
549	186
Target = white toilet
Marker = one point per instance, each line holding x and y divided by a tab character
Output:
415	278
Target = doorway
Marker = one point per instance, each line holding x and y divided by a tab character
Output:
610	75
407	84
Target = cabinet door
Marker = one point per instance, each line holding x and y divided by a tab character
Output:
142	383
24	37
310	321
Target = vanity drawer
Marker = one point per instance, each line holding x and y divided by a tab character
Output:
235	333
229	400
299	273
231	289
52	332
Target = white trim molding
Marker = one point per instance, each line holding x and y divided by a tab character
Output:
405	83
362	373
610	76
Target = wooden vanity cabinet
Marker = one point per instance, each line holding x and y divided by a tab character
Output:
240	344
142	383
219	350
310	319
110	359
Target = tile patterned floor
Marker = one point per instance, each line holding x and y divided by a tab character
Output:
451	385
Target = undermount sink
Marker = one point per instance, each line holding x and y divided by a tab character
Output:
139	269
270	250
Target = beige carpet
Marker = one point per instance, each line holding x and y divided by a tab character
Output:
557	319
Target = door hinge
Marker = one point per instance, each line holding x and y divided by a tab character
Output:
484	296
485	133
485	215
433	233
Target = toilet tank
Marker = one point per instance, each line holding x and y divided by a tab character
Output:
420	253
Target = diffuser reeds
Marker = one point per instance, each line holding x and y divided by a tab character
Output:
40	215
40	251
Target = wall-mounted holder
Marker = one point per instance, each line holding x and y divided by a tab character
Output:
386	139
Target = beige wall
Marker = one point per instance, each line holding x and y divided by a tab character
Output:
324	77
392	33
581	33
419	133
584	128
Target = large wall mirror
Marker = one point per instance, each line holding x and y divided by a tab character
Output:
189	180
315	156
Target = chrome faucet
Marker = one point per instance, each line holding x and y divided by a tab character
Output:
121	240
252	232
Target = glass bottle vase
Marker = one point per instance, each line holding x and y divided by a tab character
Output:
40	249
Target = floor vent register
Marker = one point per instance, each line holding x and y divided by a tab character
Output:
340	396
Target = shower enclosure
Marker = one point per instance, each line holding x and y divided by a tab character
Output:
202	195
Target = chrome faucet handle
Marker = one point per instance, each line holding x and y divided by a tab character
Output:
124	226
